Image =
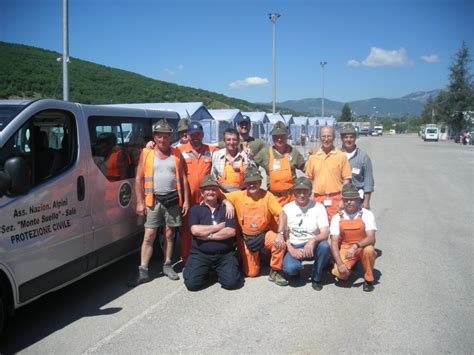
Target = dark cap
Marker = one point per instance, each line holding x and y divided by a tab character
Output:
182	125
303	183
195	127
244	118
279	128
252	174
348	129
208	181
350	191
162	126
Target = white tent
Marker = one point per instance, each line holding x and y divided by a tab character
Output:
300	124
258	119
223	119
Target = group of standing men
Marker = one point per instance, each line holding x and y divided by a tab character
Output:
215	197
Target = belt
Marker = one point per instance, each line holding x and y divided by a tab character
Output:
280	193
328	195
251	236
218	252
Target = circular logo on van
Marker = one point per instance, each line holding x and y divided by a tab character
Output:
125	194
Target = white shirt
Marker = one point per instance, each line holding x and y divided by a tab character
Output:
304	222
367	218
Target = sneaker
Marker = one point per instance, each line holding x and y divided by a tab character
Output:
368	286
317	286
141	278
277	278
168	271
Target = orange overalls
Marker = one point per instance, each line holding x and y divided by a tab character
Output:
254	220
281	177
197	166
233	176
351	232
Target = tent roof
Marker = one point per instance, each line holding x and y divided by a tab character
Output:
184	109
225	114
257	117
274	118
300	120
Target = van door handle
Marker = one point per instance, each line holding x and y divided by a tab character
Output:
81	188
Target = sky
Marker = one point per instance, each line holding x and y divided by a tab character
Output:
373	48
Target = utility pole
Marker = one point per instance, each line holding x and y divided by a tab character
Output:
65	51
323	64
274	17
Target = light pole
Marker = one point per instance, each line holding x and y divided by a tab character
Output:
65	52
323	64
274	17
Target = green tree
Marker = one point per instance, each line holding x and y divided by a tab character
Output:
346	114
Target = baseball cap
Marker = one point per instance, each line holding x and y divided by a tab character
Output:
162	126
208	181
279	128
350	191
303	183
182	125
195	127
348	129
243	118
252	174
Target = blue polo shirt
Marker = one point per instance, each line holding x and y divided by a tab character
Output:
200	214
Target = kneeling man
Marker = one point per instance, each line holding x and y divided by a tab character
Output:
353	238
308	230
213	244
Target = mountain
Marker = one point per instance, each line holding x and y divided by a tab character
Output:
408	105
30	72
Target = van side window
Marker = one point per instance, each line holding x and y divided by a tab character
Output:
116	144
47	142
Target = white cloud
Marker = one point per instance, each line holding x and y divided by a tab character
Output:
432	58
379	57
353	63
250	81
178	68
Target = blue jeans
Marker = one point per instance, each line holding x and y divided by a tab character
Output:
322	256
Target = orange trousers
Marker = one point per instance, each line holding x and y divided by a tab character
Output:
185	238
251	260
335	201
367	255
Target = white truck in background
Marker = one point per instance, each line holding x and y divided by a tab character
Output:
430	133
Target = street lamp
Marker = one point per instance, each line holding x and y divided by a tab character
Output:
65	51
274	17
323	64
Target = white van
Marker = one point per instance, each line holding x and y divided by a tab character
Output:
67	203
431	133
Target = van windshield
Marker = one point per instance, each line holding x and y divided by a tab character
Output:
7	113
432	130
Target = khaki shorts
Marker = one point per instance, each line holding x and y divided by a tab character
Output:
162	216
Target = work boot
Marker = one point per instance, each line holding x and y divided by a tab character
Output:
317	286
168	271
141	277
277	278
368	286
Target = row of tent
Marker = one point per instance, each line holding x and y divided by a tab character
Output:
215	122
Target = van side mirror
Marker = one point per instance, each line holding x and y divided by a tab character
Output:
15	177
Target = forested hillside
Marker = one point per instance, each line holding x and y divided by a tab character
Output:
33	72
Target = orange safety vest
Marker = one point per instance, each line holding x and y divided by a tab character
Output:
149	171
281	177
351	230
254	218
114	172
231	177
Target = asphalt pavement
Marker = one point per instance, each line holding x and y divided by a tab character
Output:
422	302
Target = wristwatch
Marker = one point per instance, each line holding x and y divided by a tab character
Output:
282	233
210	236
357	245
